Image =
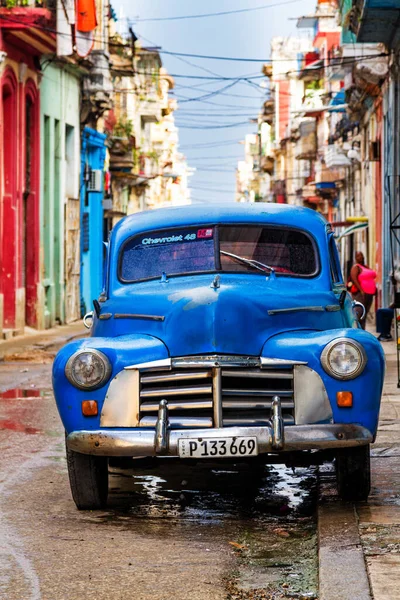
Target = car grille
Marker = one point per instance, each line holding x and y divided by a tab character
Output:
200	397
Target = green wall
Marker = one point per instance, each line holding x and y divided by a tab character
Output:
60	111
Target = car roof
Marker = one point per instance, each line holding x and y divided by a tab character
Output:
213	214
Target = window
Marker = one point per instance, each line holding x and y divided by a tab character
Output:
286	250
85	232
227	248
175	252
336	272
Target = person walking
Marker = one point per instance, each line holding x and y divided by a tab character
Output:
363	287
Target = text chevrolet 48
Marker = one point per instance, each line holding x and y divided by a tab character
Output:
221	333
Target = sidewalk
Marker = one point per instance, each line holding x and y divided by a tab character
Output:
379	519
57	336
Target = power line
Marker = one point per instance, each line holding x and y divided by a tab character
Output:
183	59
210	94
216	14
204	127
188	87
343	61
222	106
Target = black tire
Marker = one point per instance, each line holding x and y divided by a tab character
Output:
353	473
88	478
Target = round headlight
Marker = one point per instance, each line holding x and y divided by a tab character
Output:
343	359
88	369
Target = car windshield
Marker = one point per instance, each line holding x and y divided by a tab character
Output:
218	248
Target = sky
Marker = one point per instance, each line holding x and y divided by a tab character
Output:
212	120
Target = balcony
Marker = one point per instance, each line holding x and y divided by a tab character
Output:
312	67
148	165
22	13
121	154
309	194
376	21
267	164
313	103
28	4
335	157
306	145
150	109
306	148
22	17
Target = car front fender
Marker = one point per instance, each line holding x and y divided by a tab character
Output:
307	346
121	352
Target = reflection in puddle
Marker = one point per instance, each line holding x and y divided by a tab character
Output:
204	492
16	426
17	410
24	394
18	393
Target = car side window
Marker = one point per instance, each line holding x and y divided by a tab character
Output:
335	268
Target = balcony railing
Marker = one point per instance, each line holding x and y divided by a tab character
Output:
121	153
376	21
49	4
306	145
335	157
267	164
150	109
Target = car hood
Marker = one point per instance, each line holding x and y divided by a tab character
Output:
229	314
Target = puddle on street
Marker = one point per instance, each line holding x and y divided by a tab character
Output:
207	491
16	409
17	426
23	394
264	515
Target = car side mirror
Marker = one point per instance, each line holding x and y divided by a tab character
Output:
88	320
357	311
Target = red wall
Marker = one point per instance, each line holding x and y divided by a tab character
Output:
19	206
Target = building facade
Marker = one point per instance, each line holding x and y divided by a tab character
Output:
60	92
328	130
92	235
87	135
24	38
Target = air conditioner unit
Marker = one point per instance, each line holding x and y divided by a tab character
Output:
95	183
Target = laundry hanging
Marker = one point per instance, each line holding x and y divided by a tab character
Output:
86	23
65	21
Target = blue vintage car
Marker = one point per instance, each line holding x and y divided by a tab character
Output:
221	332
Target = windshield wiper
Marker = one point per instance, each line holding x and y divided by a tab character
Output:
249	261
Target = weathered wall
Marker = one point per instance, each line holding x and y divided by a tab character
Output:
19	189
60	147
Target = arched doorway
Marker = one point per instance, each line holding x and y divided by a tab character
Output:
29	242
9	200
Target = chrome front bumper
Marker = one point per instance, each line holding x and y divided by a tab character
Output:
144	442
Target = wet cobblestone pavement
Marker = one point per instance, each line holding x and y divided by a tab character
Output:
221	531
226	531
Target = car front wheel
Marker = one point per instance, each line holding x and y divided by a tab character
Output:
353	473
88	478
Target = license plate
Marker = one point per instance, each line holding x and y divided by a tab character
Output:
218	447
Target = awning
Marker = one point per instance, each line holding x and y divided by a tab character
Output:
352	229
312	70
338	102
310	21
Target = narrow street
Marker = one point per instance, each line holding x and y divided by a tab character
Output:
203	532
